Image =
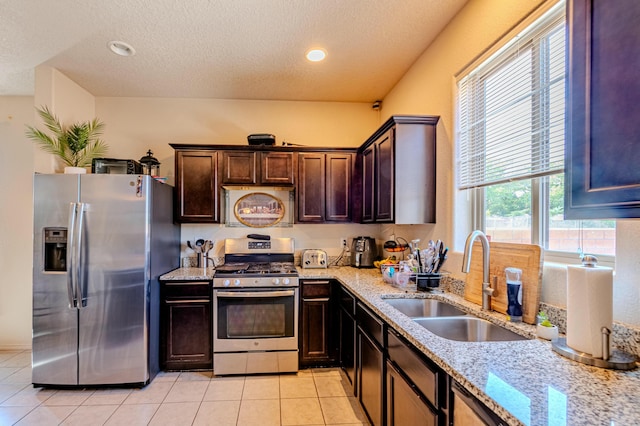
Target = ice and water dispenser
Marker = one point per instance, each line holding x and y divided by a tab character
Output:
55	249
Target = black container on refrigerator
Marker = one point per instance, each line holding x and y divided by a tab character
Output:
363	252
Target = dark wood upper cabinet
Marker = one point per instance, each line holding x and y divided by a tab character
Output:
324	187
277	168
602	151
397	165
367	188
196	186
338	194
262	168
311	187
238	167
384	172
323	181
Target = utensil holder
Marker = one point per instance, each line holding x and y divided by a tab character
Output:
202	260
427	281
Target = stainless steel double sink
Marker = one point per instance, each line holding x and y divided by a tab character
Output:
449	322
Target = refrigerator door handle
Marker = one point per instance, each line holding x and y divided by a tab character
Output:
71	260
81	301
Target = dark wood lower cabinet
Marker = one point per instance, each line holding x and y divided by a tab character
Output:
347	342
317	341
405	407
370	368
186	335
370	363
395	383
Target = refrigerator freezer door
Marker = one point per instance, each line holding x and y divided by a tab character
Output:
113	333
55	324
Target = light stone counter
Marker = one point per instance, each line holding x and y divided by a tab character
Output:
189	274
524	382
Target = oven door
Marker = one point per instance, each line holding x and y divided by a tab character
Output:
255	319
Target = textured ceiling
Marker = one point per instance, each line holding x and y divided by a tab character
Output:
226	49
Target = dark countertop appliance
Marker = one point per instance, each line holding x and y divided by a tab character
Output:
363	252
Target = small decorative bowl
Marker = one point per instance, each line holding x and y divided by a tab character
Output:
548	333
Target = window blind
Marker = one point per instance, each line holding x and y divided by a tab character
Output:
510	121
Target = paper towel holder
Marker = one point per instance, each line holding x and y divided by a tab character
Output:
614	360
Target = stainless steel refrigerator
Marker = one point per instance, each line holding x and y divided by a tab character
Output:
100	244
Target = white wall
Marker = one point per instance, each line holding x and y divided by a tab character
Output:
428	88
19	159
16	218
134	125
137	124
68	101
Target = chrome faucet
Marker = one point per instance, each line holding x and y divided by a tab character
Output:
487	291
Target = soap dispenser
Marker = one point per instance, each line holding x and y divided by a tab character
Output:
514	294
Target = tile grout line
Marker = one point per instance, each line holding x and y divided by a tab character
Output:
311	374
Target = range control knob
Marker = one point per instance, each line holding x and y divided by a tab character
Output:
236	282
226	283
286	281
275	281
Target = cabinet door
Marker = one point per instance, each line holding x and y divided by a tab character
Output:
368	194
311	187
384	178
238	167
338	187
315	333
404	405
196	186
277	168
188	334
601	147
347	346
186	327
370	373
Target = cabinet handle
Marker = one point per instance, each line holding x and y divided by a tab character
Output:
261	294
324	299
174	302
315	282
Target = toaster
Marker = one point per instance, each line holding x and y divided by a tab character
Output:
314	258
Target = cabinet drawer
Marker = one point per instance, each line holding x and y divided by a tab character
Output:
316	289
370	324
423	375
186	289
347	302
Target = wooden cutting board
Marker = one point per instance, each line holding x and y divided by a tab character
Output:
527	257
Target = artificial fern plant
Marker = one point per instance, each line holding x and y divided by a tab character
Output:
76	145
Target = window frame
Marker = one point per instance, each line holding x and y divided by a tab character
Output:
540	220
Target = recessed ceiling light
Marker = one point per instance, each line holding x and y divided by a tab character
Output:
121	48
316	55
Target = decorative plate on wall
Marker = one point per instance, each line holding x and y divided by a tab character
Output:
259	210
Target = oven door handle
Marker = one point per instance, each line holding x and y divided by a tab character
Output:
278	293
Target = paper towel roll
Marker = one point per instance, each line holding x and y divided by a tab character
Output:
589	307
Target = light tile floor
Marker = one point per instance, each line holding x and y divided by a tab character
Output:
310	397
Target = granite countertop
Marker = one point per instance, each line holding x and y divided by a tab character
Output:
524	382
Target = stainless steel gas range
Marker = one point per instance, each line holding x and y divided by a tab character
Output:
255	307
